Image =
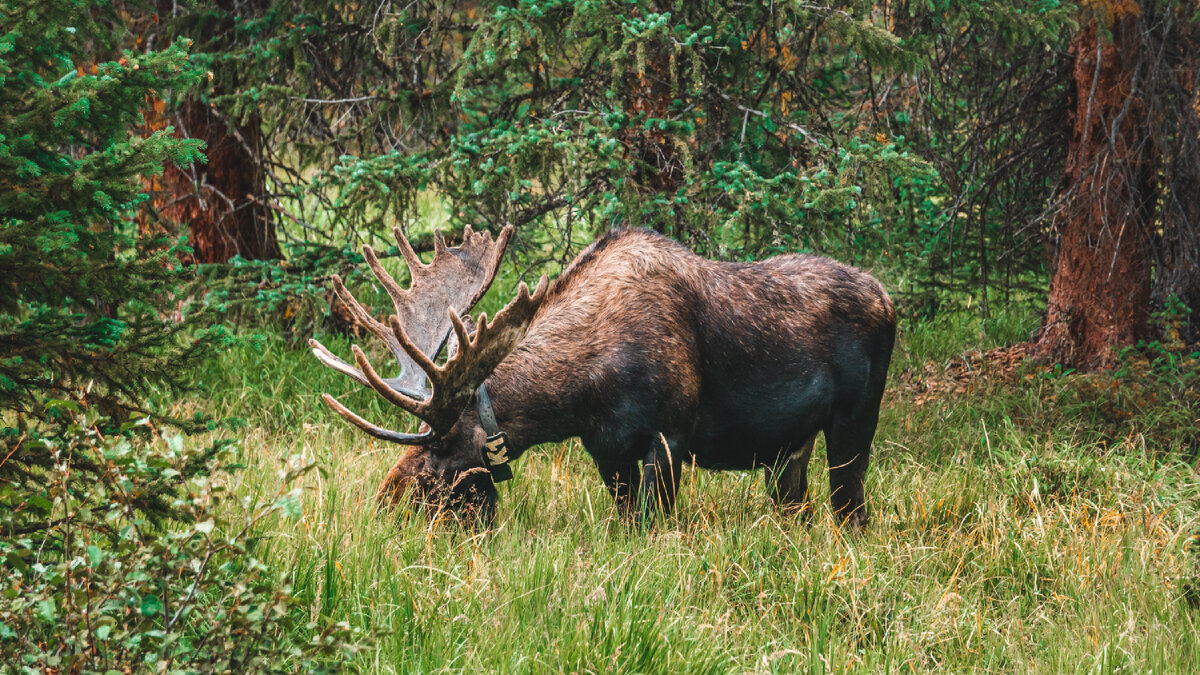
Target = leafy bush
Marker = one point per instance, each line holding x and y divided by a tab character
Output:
98	579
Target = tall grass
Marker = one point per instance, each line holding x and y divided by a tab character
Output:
1003	538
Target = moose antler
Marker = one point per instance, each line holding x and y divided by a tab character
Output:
425	315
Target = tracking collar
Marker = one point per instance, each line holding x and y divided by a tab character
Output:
495	451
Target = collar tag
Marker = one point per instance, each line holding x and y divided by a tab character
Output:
495	451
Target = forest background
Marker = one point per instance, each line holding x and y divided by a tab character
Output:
180	180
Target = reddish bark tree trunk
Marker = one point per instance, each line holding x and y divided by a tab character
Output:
1099	296
660	163
650	94
216	200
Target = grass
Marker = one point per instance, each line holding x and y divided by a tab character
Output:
1007	535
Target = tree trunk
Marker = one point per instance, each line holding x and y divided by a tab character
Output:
1099	298
650	94
660	163
217	199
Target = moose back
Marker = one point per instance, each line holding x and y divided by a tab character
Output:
650	354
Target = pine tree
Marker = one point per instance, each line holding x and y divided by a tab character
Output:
737	128
88	300
86	316
116	556
1127	232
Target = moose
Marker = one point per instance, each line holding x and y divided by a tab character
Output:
649	353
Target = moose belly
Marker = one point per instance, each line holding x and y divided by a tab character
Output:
748	427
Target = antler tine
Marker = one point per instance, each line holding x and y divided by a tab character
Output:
415	266
360	313
422	359
376	431
478	355
389	283
520	305
476	358
460	328
362	316
499	246
333	361
393	396
418	330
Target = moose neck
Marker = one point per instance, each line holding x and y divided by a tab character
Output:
526	409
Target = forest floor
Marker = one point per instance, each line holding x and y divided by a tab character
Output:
1022	519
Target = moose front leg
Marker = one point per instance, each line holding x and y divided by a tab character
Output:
660	476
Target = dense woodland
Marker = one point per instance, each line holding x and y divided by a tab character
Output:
180	181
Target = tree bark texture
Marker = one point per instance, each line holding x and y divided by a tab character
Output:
660	165
1099	297
217	200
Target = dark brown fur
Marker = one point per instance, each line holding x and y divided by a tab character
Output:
734	366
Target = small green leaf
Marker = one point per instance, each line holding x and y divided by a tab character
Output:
151	605
95	555
290	504
40	503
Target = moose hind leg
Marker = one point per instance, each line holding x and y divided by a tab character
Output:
660	476
849	449
787	480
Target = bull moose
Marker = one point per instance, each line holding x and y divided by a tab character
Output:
648	353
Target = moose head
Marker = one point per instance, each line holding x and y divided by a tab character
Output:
447	460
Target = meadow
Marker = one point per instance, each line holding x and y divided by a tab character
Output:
1022	520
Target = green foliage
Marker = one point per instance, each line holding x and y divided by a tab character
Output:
928	135
713	124
1149	399
292	296
94	582
739	129
988	109
116	557
87	294
1022	524
87	316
